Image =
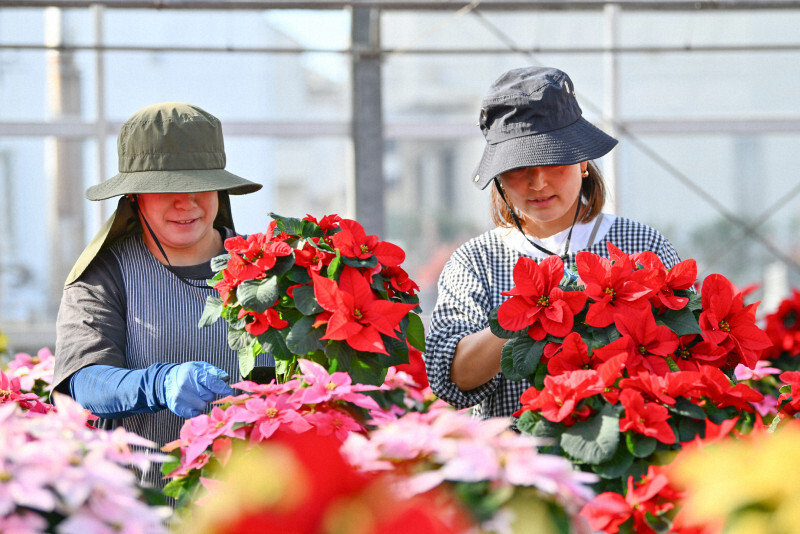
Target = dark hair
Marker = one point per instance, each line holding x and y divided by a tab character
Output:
593	194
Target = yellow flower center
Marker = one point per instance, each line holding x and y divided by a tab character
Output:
364	249
543	301
724	326
610	291
271	412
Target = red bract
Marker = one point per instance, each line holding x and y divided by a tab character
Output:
358	317
570	355
792	399
682	276
353	242
561	395
312	258
251	257
398	282
537	302
226	286
717	387
693	351
646	343
653	495
614	286
646	418
783	327
326	224
262	321
726	322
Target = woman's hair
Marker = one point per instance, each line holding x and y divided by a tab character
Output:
593	195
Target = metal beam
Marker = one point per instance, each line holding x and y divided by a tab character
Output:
416	5
367	120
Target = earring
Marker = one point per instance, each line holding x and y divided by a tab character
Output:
585	174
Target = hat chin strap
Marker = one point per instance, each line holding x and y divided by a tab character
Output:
170	267
519	225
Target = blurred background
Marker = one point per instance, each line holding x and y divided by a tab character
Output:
369	109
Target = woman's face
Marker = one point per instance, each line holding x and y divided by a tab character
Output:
183	223
546	197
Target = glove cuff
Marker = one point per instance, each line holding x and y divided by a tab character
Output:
162	371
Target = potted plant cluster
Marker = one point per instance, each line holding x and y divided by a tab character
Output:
321	290
627	362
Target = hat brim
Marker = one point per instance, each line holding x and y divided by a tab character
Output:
578	142
172	181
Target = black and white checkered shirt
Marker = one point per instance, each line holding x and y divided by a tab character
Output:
470	287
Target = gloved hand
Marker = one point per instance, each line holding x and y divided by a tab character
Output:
190	386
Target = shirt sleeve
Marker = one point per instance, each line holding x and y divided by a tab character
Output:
667	253
462	308
90	328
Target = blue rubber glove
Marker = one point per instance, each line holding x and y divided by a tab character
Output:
190	386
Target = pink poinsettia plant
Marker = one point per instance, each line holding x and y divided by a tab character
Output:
627	362
495	471
322	290
314	400
35	372
59	474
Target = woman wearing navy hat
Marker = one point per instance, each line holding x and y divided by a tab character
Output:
547	199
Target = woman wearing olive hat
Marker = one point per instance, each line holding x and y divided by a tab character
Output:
547	199
128	347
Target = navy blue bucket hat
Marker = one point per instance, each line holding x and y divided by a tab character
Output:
531	118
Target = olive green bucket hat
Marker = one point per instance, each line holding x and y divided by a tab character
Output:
170	147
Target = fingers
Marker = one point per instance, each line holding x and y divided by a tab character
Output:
215	380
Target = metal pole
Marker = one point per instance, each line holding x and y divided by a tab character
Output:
98	14
65	161
367	120
611	103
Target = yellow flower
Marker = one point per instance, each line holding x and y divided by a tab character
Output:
749	483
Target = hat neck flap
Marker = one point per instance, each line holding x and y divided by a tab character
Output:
125	222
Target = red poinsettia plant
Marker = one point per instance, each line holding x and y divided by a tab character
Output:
321	290
626	360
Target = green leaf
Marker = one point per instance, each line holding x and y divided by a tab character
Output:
688	429
298	275
311	229
549	431
520	357
594	440
258	295
335	266
639	445
272	342
341	353
211	312
682	322
499	331
238	339
367	263
247	359
397	352
219	262
367	371
416	332
597	337
290	225
303	337
616	466
305	301
686	408
526	422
